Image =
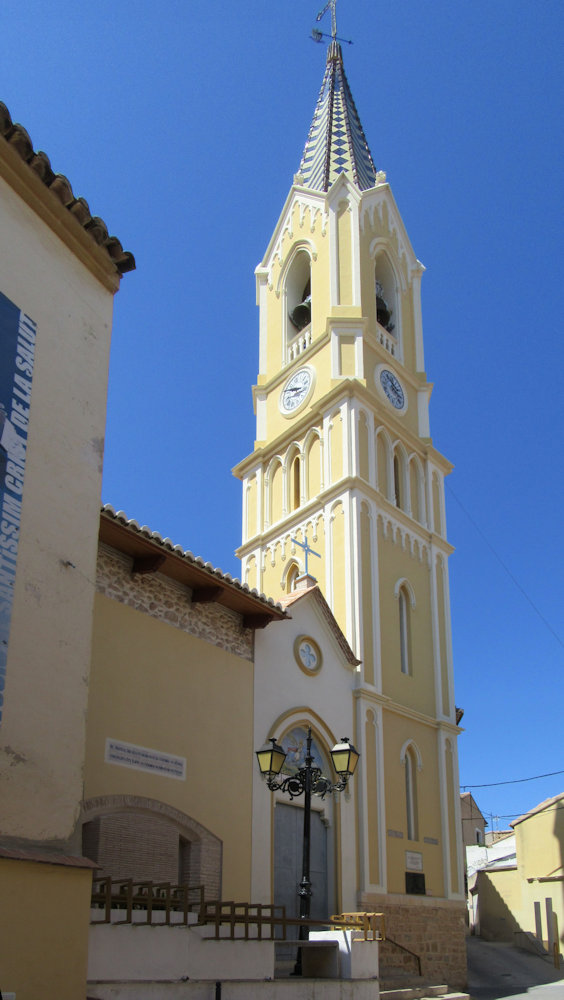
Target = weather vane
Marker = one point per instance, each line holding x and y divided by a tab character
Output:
318	35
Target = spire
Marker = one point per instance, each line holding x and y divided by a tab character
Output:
336	143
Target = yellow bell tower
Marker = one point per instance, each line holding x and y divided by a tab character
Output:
343	461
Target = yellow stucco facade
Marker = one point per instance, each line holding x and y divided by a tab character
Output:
528	896
157	686
44	920
358	478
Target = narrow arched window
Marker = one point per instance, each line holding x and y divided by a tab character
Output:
295	483
411	795
397	481
404	631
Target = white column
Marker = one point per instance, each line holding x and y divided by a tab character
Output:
418	319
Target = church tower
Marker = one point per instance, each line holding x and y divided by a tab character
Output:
343	462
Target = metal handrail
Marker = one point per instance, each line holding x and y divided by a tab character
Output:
408	951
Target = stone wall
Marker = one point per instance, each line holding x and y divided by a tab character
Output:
156	595
433	930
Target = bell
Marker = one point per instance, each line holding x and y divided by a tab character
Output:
383	314
301	315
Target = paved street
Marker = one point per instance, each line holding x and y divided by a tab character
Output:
496	971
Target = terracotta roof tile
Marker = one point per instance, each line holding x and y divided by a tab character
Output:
298	595
61	188
216	576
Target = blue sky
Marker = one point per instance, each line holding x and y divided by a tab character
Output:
182	124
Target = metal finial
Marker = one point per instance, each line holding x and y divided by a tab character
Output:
318	35
333	5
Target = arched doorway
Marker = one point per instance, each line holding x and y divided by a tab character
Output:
130	836
288	836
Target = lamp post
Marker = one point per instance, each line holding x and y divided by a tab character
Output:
308	781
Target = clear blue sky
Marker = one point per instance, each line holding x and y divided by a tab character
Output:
182	124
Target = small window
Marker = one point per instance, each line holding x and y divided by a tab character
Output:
291	577
415	883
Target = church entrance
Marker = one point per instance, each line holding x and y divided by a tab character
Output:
288	841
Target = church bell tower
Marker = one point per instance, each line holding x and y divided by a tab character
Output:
343	461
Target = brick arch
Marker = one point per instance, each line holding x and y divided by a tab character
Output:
131	836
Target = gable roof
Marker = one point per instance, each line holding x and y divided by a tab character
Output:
314	593
542	806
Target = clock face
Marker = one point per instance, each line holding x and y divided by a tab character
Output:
296	390
392	387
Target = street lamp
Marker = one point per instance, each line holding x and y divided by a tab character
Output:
308	780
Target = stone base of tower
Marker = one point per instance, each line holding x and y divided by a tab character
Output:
433	929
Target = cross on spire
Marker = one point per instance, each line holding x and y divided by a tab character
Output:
307	551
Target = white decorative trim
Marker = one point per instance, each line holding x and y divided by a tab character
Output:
404	582
410	744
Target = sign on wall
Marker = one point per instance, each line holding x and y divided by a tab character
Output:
17	353
168	765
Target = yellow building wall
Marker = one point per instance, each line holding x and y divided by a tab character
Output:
499	904
395	563
156	686
540	855
44	924
397	731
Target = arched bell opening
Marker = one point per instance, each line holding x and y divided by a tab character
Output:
386	294
298	294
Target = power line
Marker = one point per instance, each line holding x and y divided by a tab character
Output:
505	567
532	811
514	781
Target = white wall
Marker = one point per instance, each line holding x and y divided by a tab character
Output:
42	731
286	696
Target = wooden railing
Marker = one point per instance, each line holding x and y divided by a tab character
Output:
166	903
128	895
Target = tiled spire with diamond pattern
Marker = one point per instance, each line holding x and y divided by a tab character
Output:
336	143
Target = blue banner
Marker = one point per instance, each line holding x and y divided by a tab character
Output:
17	353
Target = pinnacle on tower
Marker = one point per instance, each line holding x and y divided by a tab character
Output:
336	143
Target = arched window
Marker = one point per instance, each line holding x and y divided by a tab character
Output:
295	483
291	577
411	762
411	794
406	603
397	482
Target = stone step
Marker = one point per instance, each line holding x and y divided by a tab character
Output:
422	993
